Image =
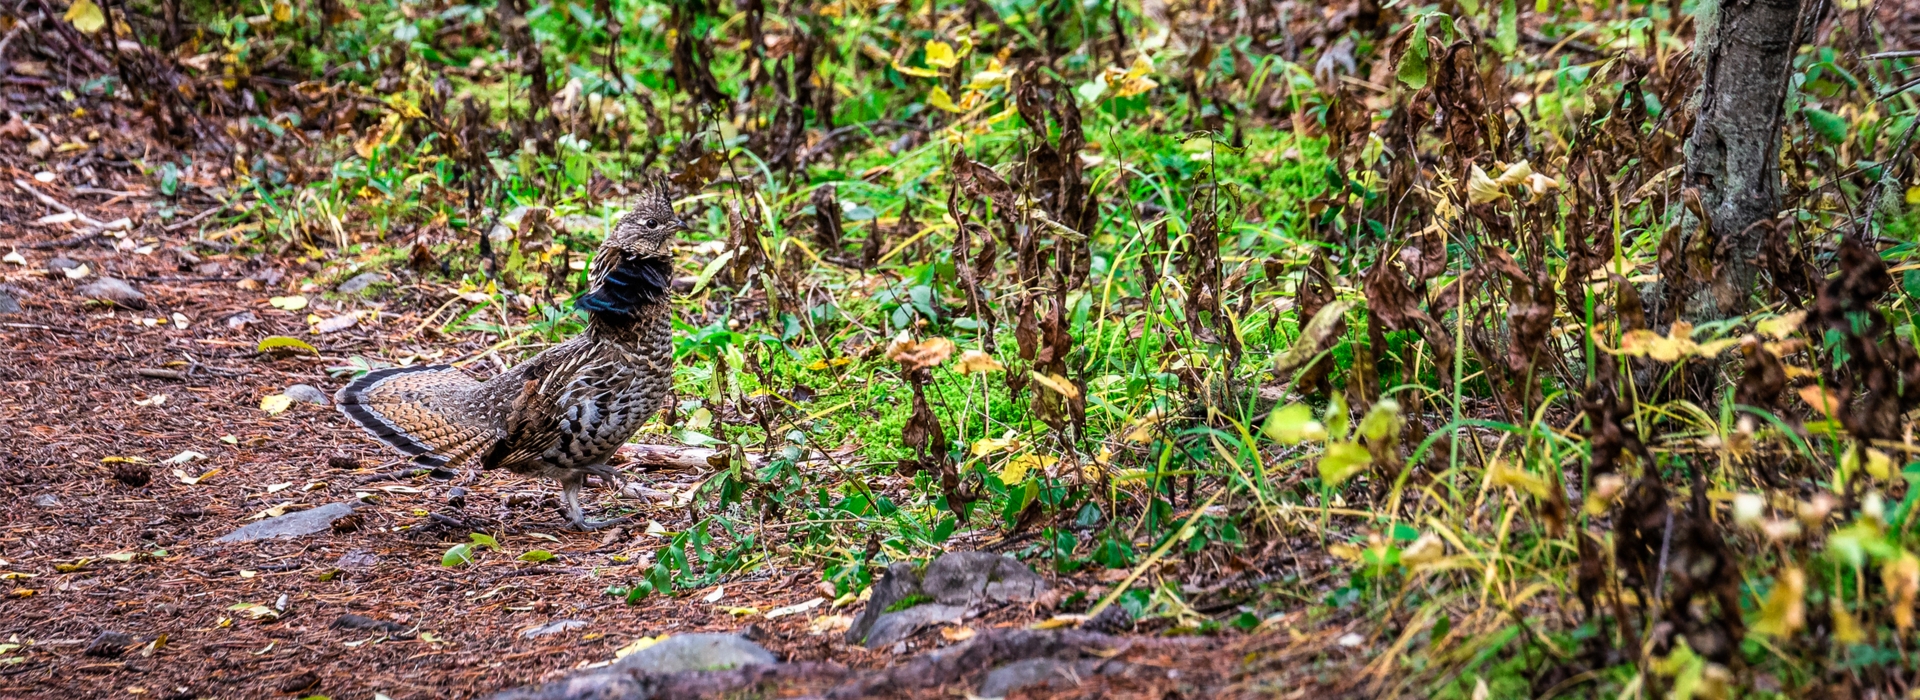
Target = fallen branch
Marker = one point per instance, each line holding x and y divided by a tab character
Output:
64	209
671	457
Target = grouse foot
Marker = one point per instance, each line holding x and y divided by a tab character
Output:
570	497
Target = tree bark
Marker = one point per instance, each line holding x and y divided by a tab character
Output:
1745	52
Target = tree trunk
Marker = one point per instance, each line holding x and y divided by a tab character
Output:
1745	51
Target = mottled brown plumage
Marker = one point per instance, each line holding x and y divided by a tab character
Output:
563	413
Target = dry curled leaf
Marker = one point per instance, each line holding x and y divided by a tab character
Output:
914	356
1060	385
1820	399
975	361
1314	338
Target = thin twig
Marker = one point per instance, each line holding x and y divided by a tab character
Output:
197	218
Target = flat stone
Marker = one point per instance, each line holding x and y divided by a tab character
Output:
46	500
696	652
554	627
1047	672
110	644
8	304
899	625
360	282
356	559
61	263
116	291
305	393
961	578
351	621
305	522
240	320
897	582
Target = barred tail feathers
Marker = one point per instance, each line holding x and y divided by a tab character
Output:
419	411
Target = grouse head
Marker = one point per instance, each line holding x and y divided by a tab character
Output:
648	230
634	269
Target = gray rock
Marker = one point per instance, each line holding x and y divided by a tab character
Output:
360	282
116	291
899	625
240	320
1049	672
961	578
61	263
897	583
307	394
305	522
582	223
46	500
351	621
696	652
554	627
110	644
8	304
356	559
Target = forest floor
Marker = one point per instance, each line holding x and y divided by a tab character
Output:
98	396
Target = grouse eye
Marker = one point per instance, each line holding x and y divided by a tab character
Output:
649	223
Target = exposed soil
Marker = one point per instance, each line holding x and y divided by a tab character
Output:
78	406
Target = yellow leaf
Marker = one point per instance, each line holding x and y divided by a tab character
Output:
1293	424
289	303
1901	577
956	634
1481	188
818	366
1342	461
1515	175
192	480
1820	399
1016	469
940	55
1060	385
1879	465
986	446
1785	610
1521	479
1779	327
940	99
1428	549
1846	629
282	11
975	361
1345	551
1135	80
916	72
987	79
1142	431
1058	621
274	404
86	16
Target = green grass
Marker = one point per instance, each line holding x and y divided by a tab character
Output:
1469	540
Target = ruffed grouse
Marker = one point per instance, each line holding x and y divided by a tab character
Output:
563	413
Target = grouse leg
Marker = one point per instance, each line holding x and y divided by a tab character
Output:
570	496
